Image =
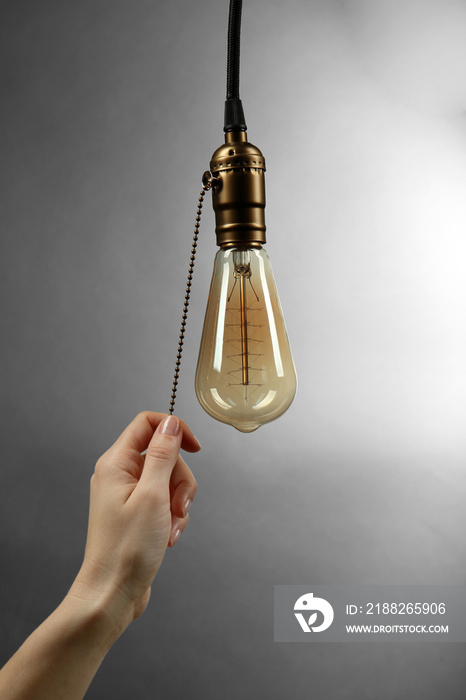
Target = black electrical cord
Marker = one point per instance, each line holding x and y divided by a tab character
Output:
234	115
234	39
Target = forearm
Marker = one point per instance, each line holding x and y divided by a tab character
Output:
61	657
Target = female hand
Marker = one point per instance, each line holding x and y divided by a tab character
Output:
138	506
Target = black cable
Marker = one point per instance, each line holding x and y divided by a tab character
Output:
234	115
233	52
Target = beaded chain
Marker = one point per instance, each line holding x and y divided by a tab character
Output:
207	184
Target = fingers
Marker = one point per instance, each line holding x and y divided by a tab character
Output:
183	488
162	452
164	464
178	525
139	432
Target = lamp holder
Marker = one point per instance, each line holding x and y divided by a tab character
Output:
238	192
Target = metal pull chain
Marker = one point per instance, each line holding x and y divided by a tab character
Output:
206	185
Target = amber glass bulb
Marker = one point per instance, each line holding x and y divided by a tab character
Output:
245	373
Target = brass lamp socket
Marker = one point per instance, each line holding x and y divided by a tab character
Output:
238	192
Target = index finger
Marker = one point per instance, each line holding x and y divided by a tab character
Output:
139	432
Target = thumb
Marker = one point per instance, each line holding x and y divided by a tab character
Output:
163	450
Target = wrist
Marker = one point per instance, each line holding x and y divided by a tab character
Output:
105	612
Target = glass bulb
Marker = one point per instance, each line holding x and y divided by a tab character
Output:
245	372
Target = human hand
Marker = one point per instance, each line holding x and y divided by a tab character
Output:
138	506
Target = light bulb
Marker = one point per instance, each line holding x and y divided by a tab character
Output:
245	372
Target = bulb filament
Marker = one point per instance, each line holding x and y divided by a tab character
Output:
244	331
242	273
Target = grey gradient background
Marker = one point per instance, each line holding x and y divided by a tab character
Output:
110	113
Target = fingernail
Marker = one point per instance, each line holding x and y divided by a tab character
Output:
187	506
176	536
170	426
